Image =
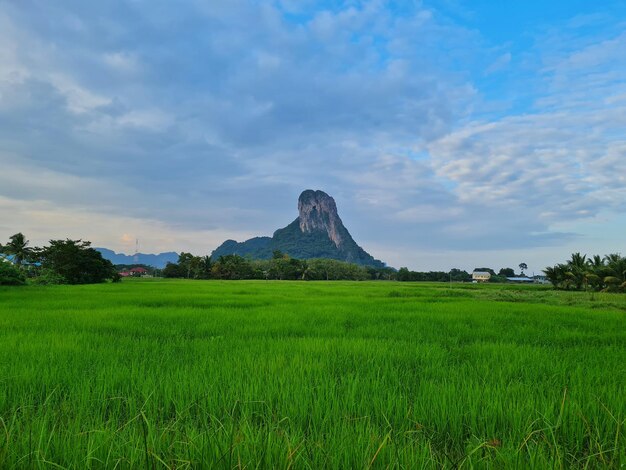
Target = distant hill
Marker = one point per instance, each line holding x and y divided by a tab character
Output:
157	261
318	232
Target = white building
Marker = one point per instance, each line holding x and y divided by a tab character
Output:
481	276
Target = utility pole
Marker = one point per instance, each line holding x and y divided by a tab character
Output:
136	256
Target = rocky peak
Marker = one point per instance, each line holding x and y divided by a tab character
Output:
318	212
318	232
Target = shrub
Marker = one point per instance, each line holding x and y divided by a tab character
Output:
10	275
48	277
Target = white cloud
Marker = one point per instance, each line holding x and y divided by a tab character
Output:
207	121
561	161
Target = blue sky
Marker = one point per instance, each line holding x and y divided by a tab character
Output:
451	133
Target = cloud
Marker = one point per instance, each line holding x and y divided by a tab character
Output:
560	162
42	221
248	104
198	120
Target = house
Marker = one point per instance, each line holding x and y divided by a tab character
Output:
138	271
481	276
7	258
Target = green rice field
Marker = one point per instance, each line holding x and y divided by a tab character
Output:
252	374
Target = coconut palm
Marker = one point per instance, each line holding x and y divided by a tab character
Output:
557	275
577	270
18	248
598	268
615	278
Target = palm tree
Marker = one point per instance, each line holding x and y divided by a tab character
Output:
615	278
576	267
598	270
557	275
18	248
206	266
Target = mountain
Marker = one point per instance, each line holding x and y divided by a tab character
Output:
318	232
157	261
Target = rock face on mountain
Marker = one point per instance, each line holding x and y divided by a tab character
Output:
318	212
318	232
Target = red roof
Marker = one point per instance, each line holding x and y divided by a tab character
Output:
139	270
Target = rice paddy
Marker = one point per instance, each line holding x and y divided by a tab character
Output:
253	374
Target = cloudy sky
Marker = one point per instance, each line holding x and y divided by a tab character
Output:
450	132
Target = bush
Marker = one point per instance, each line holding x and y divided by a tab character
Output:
48	277
10	275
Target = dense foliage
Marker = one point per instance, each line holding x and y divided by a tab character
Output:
606	274
284	267
280	267
76	262
10	275
61	262
454	275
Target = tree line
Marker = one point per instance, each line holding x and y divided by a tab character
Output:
75	262
283	267
455	275
280	267
61	262
597	273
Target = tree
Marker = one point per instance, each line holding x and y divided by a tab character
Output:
284	267
205	267
232	267
577	270
458	275
556	275
507	272
523	267
18	248
614	273
606	273
76	262
324	269
173	270
185	263
403	274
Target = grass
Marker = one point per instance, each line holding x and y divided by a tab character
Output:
207	374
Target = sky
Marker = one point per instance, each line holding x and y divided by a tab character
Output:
450	133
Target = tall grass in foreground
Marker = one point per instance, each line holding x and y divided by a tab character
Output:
183	374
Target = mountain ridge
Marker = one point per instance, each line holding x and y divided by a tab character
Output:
155	260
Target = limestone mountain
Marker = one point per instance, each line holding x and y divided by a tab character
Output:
318	232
